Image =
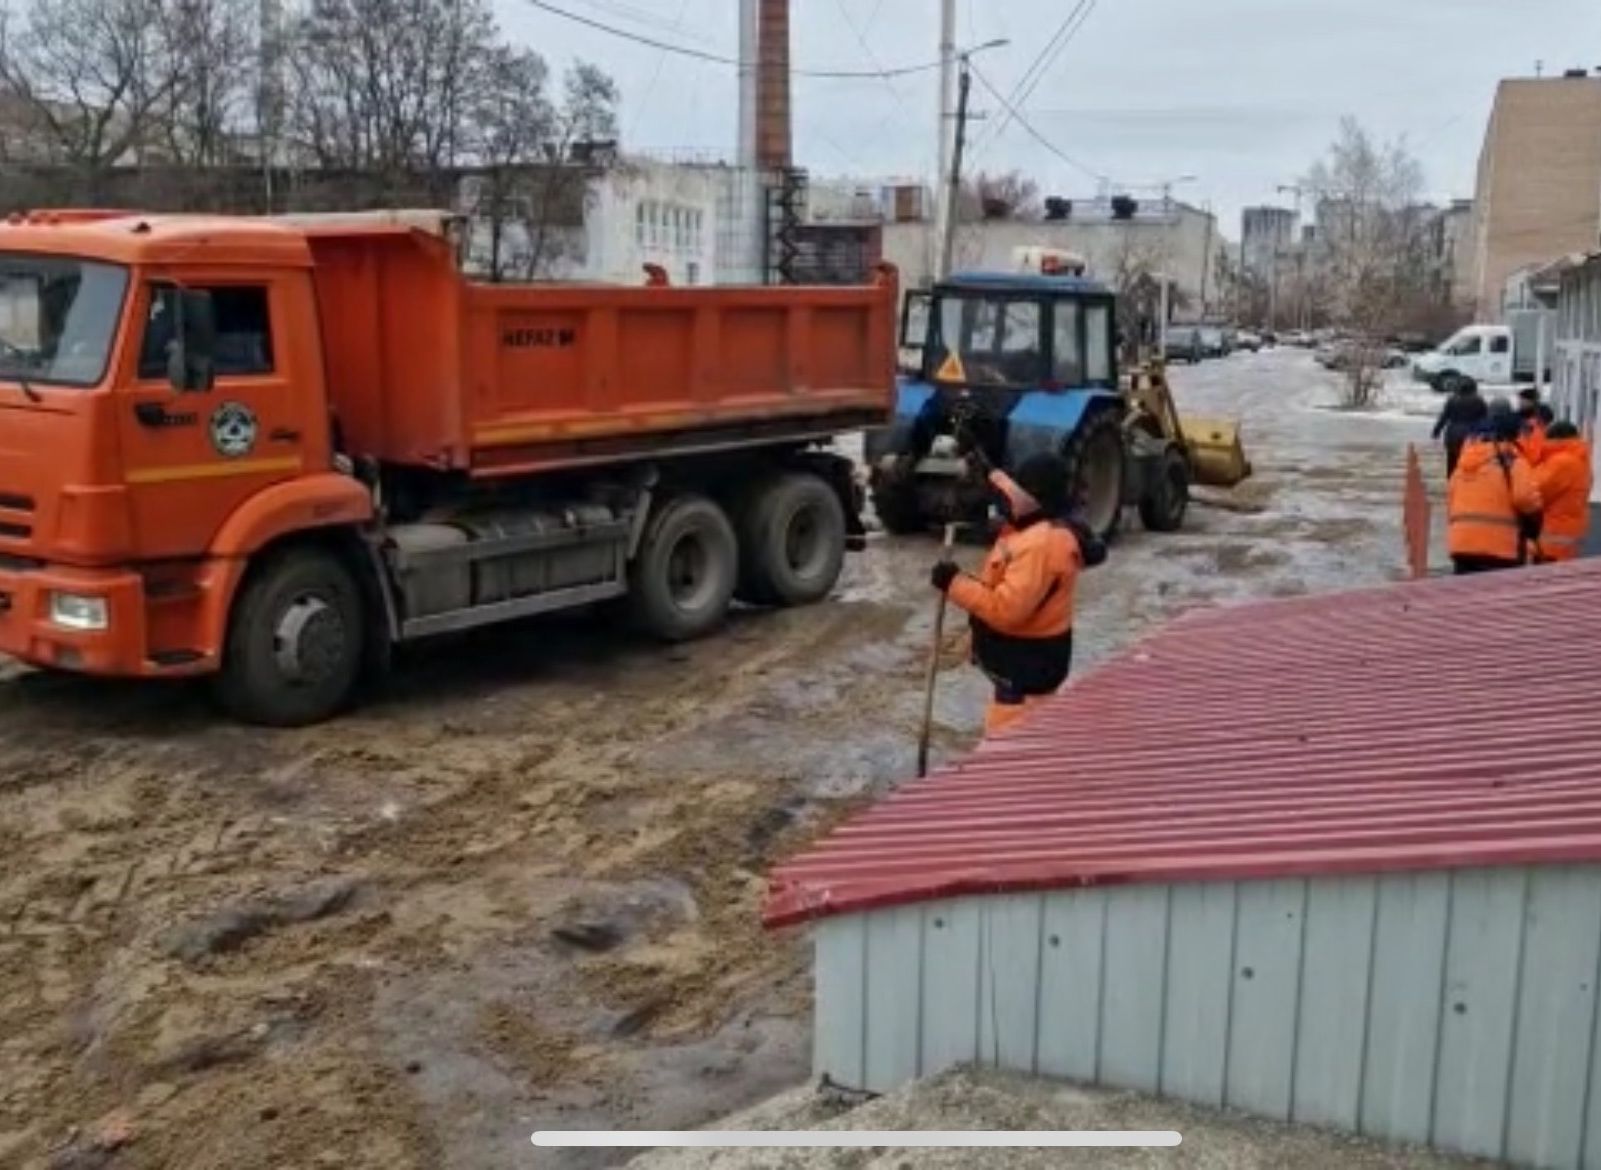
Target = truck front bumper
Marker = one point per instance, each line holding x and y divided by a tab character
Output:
29	631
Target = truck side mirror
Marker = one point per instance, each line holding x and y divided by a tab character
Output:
191	360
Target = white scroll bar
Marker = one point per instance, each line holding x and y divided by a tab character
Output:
858	1139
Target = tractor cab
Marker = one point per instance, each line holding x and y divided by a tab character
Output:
1025	361
1016	363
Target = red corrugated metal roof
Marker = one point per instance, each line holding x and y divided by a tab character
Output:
1453	722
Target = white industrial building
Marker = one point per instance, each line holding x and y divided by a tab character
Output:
1250	864
688	218
1167	236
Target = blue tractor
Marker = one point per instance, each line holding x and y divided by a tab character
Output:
1018	363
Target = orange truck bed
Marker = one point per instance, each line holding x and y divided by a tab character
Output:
428	369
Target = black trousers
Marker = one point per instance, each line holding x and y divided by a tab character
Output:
1453	452
1476	564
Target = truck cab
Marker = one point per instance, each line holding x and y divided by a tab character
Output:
154	381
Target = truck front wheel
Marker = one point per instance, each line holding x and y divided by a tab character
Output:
295	641
683	576
791	541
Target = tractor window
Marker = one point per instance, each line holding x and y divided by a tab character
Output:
996	341
1067	350
1098	344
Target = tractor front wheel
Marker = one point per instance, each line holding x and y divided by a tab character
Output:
1167	497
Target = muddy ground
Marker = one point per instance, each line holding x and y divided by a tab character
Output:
520	889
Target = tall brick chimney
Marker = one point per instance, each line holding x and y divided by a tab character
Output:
773	139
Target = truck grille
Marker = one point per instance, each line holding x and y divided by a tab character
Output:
13	526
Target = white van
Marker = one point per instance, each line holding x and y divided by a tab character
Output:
1477	353
1490	354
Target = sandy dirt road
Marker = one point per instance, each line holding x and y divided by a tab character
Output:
520	888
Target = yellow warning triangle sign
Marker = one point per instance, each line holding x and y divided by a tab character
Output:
952	370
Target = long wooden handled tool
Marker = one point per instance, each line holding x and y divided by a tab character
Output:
933	660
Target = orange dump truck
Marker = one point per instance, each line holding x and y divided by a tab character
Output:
270	450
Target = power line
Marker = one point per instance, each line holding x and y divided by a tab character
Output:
718	59
1037	68
1088	11
656	74
1028	126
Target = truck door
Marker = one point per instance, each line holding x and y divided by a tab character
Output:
1498	358
191	458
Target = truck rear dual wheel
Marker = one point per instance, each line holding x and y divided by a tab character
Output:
295	641
684	573
791	541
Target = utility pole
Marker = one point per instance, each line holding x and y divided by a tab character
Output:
953	192
944	208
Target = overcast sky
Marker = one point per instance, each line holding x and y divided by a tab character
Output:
1243	94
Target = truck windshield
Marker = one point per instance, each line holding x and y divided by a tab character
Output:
57	318
997	340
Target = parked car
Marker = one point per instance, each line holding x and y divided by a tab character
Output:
1340	355
1269	339
1214	342
1183	344
1247	340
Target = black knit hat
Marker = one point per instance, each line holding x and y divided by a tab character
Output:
1044	476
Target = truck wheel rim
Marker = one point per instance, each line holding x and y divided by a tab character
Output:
309	641
689	577
804	548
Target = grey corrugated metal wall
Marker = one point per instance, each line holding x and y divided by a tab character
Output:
1452	1008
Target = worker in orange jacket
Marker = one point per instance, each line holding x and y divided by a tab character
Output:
1564	478
1493	501
1537	417
1021	602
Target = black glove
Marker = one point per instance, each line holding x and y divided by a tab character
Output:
1090	546
942	575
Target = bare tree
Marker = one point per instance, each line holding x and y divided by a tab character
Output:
89	79
214	49
538	158
1370	235
1001	196
385	85
1137	268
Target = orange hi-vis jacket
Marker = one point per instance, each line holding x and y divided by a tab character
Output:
1022	601
1532	441
1564	478
1492	487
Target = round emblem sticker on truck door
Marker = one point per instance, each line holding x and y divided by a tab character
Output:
233	429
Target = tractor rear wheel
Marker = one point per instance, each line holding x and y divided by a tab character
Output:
1094	456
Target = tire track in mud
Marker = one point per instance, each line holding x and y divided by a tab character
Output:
451	815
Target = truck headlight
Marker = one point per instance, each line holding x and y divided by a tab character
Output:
74	611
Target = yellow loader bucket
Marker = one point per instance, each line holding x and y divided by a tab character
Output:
1217	457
